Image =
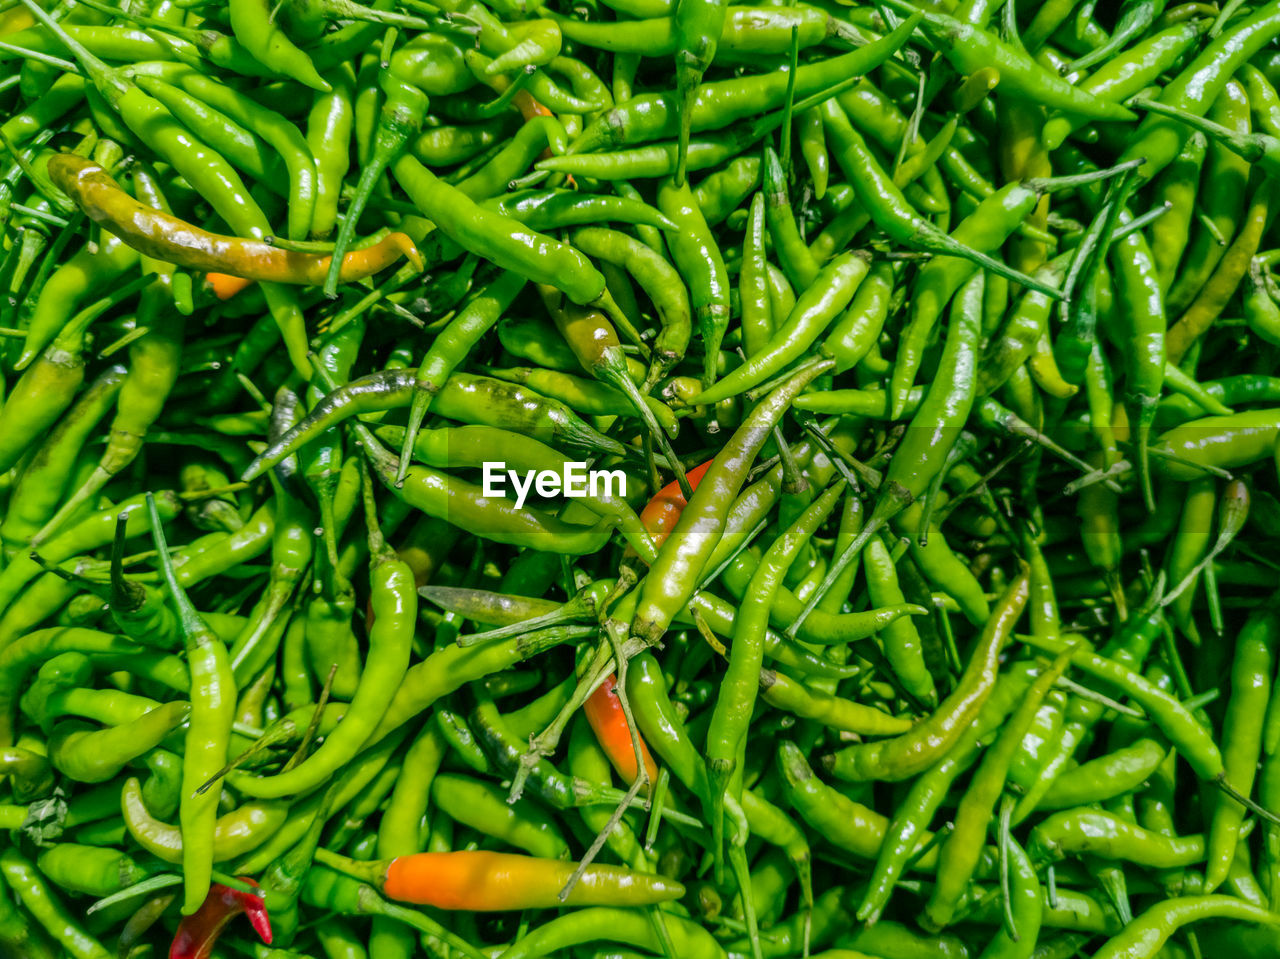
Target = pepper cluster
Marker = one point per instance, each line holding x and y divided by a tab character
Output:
938	616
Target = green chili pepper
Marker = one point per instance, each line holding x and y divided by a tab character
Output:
906	755
212	709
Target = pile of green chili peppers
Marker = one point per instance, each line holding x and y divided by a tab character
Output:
923	601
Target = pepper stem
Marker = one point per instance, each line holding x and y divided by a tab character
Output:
282	731
402	116
545	742
993	414
609	305
688	78
194	630
379	551
719	775
1221	782
772	121
742	871
313	726
1071	181
418	409
980	489
373	872
377	906
1252	147
70	576
1084	692
76	326
617	635
1209	468
628	576
1234	512
614	371
794	482
103	77
658	802
125	596
27	54
964	447
788	110
602	836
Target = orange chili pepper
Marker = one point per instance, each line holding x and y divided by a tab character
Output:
225	286
480	881
607	720
163	236
528	106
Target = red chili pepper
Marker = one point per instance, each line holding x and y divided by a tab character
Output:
661	513
609	723
198	932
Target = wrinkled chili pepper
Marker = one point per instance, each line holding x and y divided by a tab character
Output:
198	932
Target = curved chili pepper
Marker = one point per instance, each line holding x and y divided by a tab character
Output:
1146	935
658	116
830	291
165	237
46	909
254	26
910	753
1242	733
971	48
